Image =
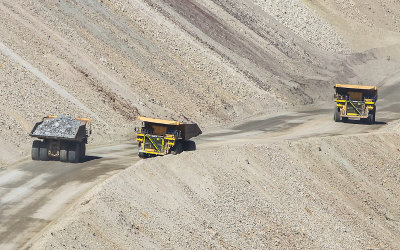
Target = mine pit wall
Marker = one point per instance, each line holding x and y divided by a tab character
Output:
232	59
330	192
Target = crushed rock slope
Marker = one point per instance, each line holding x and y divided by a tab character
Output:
211	62
334	192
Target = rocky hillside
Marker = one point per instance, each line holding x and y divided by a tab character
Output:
210	62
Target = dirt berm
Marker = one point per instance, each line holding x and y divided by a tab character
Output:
331	192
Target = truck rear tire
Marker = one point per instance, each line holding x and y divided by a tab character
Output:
336	116
64	152
142	155
83	151
74	152
35	150
44	151
190	146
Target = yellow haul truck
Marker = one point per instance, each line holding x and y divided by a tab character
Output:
161	137
355	101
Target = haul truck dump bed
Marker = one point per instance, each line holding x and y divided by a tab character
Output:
62	138
355	101
161	137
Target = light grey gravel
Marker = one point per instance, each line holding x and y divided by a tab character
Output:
61	126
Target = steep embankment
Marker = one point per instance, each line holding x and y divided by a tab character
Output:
332	192
207	61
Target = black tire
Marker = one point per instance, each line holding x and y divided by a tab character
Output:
370	119
336	116
373	115
35	150
64	152
189	146
44	151
83	151
177	149
74	152
142	155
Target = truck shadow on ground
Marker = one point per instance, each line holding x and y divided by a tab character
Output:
90	158
364	122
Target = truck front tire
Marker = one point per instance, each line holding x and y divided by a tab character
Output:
177	148
142	155
371	119
336	115
373	115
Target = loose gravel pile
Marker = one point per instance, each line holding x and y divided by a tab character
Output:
61	126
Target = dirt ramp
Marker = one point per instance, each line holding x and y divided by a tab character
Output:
334	192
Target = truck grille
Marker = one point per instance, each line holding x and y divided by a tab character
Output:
360	106
153	142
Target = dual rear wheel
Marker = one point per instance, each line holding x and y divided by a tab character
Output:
72	152
40	151
69	152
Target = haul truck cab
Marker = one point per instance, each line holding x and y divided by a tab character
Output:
355	101
161	137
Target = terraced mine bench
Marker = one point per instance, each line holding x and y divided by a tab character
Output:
62	138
